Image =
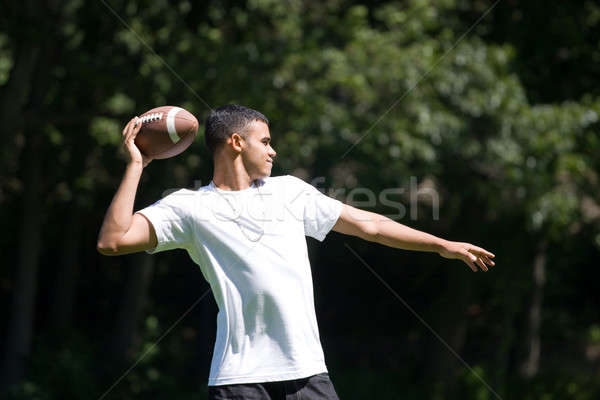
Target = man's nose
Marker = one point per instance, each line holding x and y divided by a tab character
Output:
272	153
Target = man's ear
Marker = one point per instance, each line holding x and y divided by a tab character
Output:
236	141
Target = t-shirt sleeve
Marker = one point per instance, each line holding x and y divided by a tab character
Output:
170	217
320	213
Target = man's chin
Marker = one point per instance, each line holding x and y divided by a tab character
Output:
262	175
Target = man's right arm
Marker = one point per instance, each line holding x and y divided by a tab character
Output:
123	232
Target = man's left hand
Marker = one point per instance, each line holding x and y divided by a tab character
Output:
472	255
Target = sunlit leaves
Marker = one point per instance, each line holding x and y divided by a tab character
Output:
106	131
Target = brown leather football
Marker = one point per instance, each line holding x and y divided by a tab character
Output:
166	131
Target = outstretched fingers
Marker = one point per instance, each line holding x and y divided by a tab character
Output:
481	252
470	260
488	261
476	261
481	263
471	265
475	257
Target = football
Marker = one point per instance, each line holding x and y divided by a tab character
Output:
166	131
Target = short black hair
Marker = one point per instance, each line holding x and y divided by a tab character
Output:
222	122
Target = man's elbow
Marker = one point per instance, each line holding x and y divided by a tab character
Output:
370	231
107	249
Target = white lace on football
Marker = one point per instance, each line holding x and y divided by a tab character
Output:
151	117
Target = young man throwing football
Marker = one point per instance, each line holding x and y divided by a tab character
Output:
246	231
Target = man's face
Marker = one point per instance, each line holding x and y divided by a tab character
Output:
258	154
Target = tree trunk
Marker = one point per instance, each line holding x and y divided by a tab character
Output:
506	337
532	363
20	326
451	324
138	282
15	93
61	303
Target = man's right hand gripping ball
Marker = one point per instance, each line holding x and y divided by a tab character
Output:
133	154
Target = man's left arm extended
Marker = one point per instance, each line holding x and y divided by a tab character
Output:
378	228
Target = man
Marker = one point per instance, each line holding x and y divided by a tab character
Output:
246	231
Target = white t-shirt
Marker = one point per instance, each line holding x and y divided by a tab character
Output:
251	247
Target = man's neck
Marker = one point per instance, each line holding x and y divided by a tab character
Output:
231	175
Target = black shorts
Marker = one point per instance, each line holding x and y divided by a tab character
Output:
316	387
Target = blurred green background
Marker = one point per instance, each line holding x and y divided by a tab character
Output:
495	106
